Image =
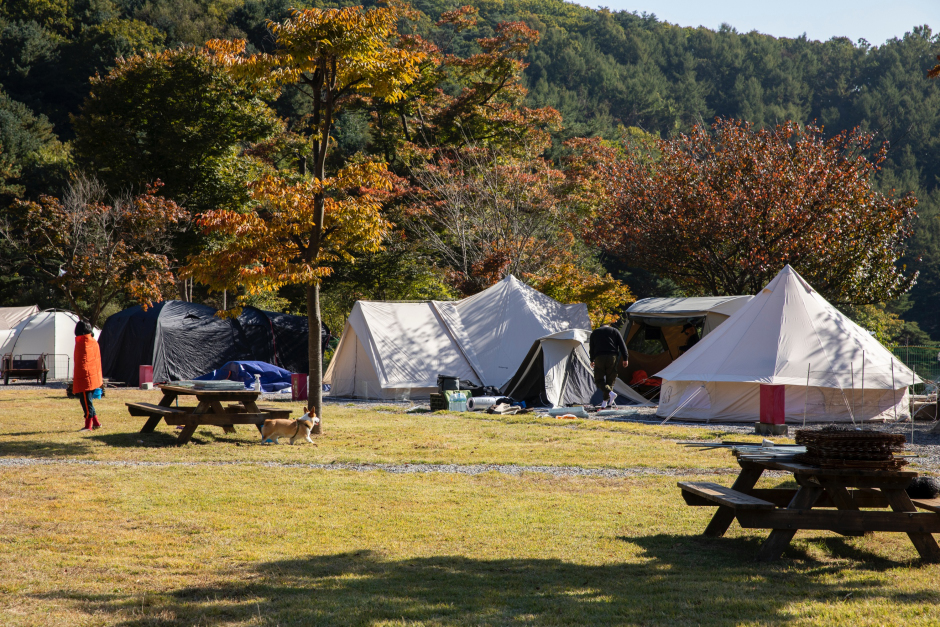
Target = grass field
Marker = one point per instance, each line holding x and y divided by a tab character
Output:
263	540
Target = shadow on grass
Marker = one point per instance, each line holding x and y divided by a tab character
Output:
675	580
135	439
42	447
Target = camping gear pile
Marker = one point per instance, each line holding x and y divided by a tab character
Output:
835	447
396	350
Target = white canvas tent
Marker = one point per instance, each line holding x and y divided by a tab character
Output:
50	332
557	372
775	338
12	316
396	350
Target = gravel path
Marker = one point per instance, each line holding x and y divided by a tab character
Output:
457	469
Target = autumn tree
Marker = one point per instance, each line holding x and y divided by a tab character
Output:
721	210
487	214
475	99
568	280
332	56
98	250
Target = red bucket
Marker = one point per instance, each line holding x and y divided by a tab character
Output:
298	387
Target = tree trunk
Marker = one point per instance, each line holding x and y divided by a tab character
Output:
315	378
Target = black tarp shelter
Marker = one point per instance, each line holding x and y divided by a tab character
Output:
183	340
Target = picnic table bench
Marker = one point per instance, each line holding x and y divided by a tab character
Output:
842	500
242	410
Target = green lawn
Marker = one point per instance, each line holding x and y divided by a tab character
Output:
256	544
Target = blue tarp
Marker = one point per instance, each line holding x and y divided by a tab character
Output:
273	379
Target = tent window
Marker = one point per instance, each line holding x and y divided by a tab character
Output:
647	340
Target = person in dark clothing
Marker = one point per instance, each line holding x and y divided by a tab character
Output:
606	349
691	334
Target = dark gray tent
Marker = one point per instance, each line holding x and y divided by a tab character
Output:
556	372
183	340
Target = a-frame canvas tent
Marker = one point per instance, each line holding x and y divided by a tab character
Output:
397	350
779	335
556	372
12	316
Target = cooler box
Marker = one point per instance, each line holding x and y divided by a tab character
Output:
772	407
145	374
298	387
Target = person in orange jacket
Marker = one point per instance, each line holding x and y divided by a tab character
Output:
87	374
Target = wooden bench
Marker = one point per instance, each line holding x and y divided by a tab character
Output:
720	495
149	409
931	505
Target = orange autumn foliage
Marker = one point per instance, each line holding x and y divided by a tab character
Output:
270	246
721	210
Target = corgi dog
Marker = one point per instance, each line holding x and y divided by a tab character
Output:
275	428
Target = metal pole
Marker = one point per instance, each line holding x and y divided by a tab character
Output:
912	405
806	394
863	380
852	367
894	392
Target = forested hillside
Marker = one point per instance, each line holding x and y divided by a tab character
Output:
603	71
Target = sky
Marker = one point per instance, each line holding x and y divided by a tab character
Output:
874	20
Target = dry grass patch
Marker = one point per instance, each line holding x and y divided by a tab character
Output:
235	545
44	423
275	546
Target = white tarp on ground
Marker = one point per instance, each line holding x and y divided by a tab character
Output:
396	350
775	338
12	316
557	372
50	332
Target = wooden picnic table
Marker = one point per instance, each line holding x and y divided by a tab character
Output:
242	410
848	501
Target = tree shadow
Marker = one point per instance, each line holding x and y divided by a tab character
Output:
674	580
135	439
42	448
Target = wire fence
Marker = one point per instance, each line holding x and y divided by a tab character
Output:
925	361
